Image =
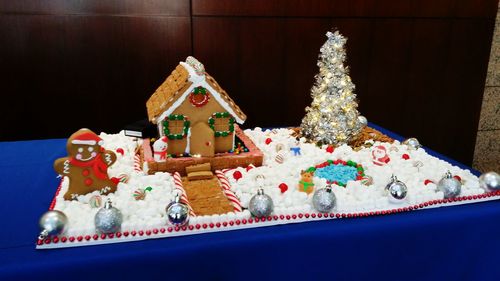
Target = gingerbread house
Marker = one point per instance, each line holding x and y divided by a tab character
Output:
196	115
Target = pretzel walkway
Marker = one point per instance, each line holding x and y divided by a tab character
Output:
206	197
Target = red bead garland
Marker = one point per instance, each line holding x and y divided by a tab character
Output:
64	239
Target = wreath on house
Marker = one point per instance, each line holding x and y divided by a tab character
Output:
199	97
176	117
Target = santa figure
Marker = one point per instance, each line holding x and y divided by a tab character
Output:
86	165
380	156
160	149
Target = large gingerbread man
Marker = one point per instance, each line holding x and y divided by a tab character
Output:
86	165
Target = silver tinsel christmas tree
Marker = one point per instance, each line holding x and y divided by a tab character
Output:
332	117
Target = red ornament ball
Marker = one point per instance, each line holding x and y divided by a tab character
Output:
120	150
330	149
405	156
269	140
237	175
283	187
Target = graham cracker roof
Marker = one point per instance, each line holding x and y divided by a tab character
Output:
175	85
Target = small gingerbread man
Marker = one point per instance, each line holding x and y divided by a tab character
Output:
86	165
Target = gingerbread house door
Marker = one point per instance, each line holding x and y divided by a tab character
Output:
202	140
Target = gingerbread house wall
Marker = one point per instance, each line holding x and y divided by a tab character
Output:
195	115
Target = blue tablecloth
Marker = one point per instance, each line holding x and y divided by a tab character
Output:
450	243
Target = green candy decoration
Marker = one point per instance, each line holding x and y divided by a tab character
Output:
211	123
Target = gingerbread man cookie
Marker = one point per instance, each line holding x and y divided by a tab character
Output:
86	165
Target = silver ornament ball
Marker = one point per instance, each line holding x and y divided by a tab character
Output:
177	212
396	190
108	219
449	185
261	205
363	121
490	181
52	223
324	200
412	143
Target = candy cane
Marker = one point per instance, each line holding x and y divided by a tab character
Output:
137	163
226	187
184	199
248	168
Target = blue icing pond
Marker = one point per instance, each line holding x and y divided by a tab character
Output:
339	173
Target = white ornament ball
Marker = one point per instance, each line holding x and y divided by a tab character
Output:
490	181
108	219
362	120
412	143
177	212
449	185
396	190
261	205
324	200
52	223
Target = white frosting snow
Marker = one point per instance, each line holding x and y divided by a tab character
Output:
355	197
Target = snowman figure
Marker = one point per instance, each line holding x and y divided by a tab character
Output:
160	149
295	147
380	156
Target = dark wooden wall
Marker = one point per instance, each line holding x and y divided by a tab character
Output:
419	65
67	64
